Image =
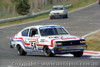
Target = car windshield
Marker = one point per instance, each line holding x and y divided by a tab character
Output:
52	31
57	8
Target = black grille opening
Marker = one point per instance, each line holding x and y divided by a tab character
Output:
69	43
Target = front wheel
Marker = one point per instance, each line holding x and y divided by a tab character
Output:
66	16
47	52
21	52
78	54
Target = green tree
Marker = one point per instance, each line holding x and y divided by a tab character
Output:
50	1
22	6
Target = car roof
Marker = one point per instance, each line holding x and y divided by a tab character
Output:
58	6
38	26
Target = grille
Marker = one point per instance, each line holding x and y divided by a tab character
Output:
56	13
69	43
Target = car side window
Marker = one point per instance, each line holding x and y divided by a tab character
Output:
33	32
25	32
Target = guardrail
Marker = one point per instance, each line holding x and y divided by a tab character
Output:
27	16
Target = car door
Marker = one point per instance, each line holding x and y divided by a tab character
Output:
32	39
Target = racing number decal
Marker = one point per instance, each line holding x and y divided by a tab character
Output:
33	44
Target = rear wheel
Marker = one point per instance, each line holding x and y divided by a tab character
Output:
47	52
21	52
78	54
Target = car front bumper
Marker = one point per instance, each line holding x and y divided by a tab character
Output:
57	16
69	49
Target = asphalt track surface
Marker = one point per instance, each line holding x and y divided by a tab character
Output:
79	23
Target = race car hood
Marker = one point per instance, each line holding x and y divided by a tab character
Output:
63	37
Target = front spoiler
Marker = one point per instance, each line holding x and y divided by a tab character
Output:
69	49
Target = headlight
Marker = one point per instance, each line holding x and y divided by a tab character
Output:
58	44
51	14
82	41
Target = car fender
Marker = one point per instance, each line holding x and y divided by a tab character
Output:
21	44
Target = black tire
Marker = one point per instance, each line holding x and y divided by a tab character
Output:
66	16
21	52
51	18
78	54
47	52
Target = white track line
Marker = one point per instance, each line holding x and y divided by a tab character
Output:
91	33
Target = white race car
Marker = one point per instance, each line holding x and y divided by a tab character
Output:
58	11
49	39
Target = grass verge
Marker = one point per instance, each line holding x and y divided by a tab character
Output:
79	4
93	42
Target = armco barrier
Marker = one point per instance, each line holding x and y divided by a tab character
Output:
23	17
27	16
